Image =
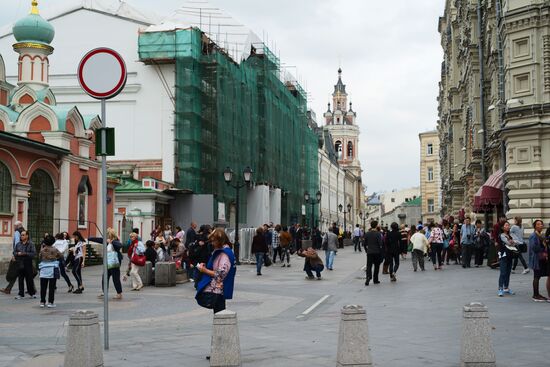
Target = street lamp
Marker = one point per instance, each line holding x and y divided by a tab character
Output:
228	178
364	218
312	202
340	208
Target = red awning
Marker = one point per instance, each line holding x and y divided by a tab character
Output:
490	193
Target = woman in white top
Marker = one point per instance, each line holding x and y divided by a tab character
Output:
79	259
62	245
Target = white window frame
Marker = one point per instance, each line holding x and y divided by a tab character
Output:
430	149
431	205
430	174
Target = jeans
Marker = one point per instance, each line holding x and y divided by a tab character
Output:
418	257
309	269
277	250
393	260
373	260
115	273
259	262
467	255
46	283
505	270
436	254
329	255
77	271
285	252
63	273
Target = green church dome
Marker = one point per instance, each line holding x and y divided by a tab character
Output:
33	28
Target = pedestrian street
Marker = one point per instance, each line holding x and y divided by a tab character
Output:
415	321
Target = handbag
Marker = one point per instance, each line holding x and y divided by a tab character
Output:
267	260
543	255
138	260
209	299
56	272
112	260
522	247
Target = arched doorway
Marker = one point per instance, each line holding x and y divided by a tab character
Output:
41	199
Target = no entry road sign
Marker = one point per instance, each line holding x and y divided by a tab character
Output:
102	73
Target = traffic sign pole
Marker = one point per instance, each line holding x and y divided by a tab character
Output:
104	227
102	75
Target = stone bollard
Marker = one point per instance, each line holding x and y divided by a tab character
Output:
146	273
165	274
353	341
226	348
83	346
476	346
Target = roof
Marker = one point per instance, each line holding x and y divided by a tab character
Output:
414	202
11	113
26	142
340	87
218	25
117	8
130	185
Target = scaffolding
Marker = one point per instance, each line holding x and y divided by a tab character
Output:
231	114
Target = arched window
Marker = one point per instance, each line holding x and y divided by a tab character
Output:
338	149
84	190
5	189
350	149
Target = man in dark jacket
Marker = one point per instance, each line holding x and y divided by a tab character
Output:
373	243
11	276
191	235
24	253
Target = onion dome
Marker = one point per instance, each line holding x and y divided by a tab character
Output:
33	28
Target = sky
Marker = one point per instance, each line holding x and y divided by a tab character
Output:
389	52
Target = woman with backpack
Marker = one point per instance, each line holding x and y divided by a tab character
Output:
49	271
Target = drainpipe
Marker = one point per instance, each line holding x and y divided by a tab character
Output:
502	100
482	99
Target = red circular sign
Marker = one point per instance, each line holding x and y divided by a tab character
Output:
102	73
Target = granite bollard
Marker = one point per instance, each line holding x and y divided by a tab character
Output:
476	346
353	343
226	347
83	347
165	274
146	273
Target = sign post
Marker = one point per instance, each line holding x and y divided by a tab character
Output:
102	75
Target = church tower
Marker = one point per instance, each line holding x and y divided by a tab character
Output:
340	122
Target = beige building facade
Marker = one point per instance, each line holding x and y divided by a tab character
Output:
430	180
494	107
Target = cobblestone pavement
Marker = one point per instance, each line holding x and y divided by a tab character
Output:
413	322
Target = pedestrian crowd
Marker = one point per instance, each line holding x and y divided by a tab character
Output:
206	254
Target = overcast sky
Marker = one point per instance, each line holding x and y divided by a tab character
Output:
389	53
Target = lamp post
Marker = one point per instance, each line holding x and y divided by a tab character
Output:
340	208
228	177
309	200
364	218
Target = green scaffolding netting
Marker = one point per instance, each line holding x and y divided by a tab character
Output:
236	115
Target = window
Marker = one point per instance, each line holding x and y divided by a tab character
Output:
350	149
83	208
431	206
338	148
5	189
393	200
521	47
430	149
521	83
430	174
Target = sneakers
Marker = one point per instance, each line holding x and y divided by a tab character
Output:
319	277
51	305
118	296
367	281
539	298
288	265
500	293
78	291
509	291
34	296
525	271
393	278
42	305
310	277
283	266
100	295
19	297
